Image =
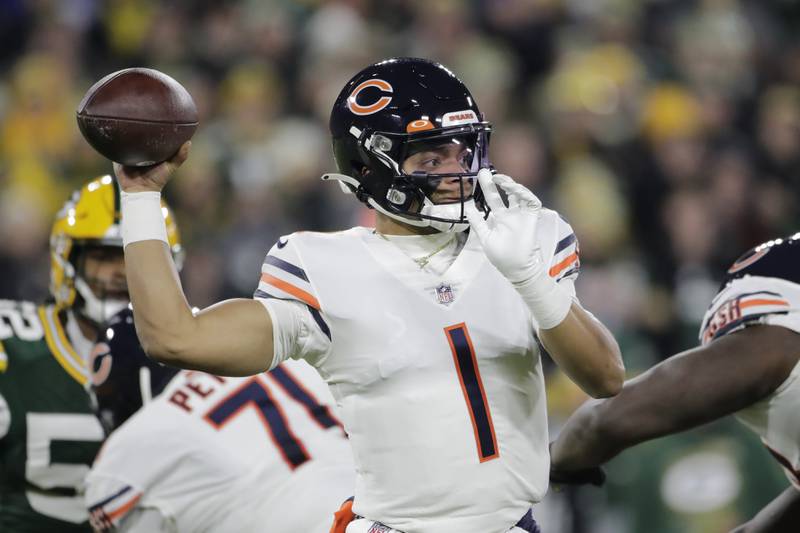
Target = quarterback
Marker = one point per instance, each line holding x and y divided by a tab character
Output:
189	451
747	364
48	434
427	334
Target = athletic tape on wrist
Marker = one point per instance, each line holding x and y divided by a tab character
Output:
142	217
548	301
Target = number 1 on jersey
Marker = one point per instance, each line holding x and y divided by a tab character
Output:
472	386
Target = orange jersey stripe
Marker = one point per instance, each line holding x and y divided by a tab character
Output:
555	270
119	513
291	289
761	301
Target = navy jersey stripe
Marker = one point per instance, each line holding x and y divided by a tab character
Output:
112	497
320	413
740	296
255	394
314	313
566	241
286	267
261	294
574	270
528	524
472	386
320	322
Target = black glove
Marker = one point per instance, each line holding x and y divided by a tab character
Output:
587	476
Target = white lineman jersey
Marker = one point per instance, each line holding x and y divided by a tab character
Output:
438	378
763	287
212	454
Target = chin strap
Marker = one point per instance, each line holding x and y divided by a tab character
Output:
452	211
95	309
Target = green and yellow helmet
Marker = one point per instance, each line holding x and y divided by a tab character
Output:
91	217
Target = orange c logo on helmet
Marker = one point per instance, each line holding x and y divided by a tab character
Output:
103	351
383	101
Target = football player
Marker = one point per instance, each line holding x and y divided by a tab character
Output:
48	433
262	453
746	364
427	335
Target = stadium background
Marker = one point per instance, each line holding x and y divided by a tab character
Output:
667	132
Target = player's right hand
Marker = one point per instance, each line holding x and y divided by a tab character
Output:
152	178
508	234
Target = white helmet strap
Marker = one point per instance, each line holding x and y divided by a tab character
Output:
96	309
451	211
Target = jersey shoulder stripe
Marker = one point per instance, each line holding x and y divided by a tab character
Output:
743	302
60	346
107	513
762	286
3	358
283	277
565	262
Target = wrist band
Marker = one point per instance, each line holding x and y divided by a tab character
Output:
142	217
548	301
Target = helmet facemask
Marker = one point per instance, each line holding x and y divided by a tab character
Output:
97	299
409	197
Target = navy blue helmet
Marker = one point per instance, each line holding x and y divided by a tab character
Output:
122	377
391	110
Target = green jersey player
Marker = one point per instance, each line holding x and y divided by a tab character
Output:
49	435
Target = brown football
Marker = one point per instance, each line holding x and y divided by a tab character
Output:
137	116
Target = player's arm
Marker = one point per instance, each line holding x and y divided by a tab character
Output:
686	390
782	514
578	342
233	337
586	351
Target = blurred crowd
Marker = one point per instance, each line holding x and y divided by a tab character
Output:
666	132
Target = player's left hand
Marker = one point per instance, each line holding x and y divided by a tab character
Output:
508	235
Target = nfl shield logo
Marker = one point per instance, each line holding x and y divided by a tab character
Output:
377	527
444	293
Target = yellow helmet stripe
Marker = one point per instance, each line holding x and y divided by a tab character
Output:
60	347
3	359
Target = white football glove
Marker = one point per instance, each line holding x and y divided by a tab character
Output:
509	239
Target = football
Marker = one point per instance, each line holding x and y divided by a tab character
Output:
137	116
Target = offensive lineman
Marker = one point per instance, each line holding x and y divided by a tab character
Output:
747	364
214	454
426	334
48	434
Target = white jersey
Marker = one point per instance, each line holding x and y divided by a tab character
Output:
763	287
438	378
214	454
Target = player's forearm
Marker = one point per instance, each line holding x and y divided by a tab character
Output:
231	338
163	317
587	352
585	441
